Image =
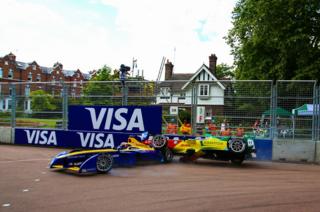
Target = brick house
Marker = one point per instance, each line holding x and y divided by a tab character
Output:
12	71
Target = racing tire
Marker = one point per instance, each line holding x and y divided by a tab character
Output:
167	155
159	141
237	161
104	163
237	145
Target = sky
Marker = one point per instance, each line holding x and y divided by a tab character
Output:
87	34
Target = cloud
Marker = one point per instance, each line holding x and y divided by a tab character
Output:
156	28
84	38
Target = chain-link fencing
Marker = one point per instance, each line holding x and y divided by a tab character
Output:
264	109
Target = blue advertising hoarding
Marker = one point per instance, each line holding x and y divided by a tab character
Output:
69	138
129	119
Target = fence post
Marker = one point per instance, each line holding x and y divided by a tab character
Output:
64	106
13	105
124	93
273	109
194	97
316	109
314	114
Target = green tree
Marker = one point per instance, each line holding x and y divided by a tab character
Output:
224	71
276	39
102	89
42	101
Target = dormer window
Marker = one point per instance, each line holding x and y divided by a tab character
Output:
34	67
204	90
6	63
30	76
165	91
10	74
38	79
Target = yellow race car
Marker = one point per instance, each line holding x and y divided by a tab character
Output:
220	148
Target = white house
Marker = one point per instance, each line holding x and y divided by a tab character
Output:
180	89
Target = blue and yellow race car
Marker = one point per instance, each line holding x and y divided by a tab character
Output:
102	160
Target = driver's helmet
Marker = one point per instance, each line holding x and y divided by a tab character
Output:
123	145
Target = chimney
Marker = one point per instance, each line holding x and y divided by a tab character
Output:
58	65
11	57
169	70
212	63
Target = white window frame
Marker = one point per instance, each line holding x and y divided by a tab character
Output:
27	90
204	90
30	76
165	91
10	74
38	79
73	93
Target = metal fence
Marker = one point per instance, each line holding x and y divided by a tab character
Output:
266	109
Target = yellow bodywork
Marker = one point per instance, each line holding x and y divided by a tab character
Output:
199	145
131	144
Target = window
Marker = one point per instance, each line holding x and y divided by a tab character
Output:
27	90
38	79
74	83
34	67
53	80
182	96
27	106
30	76
8	104
204	90
6	63
165	91
10	91
73	93
1	73
10	74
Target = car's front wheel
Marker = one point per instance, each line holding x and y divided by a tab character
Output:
167	155
104	163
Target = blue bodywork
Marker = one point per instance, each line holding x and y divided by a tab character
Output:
84	161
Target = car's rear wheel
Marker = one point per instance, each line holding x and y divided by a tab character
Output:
159	141
167	155
237	145
104	163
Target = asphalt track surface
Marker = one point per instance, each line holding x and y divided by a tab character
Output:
26	184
